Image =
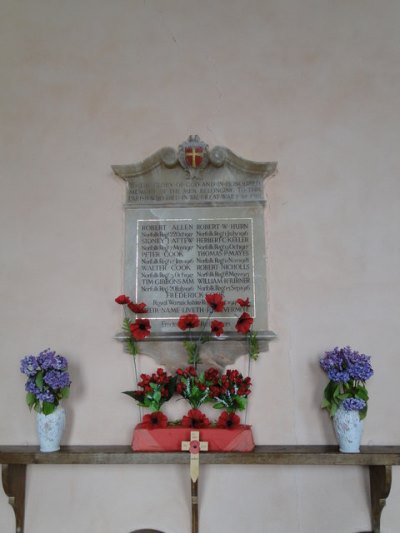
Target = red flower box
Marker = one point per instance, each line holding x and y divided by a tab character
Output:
169	439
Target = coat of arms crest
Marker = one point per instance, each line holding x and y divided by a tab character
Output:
193	155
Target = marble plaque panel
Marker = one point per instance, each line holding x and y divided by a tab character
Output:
175	259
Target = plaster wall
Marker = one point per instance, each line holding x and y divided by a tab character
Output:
314	85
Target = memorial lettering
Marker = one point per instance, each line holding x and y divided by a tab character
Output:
180	261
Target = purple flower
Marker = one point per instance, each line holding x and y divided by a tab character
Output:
46	359
45	396
359	366
338	376
29	365
60	362
343	365
354	404
30	386
56	379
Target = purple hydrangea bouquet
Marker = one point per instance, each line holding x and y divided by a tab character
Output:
48	380
347	371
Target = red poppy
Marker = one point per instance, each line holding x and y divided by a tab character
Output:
122	299
140	329
214	391
191	371
195	419
212	375
228	420
180	388
244	323
155	420
217	327
189	321
216	302
243	303
137	308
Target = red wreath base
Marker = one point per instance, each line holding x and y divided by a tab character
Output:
169	439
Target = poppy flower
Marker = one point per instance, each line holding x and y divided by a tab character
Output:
228	420
180	388
216	302
217	327
243	303
212	375
189	321
195	419
155	420
140	329
137	308
244	323
122	299
191	371
214	391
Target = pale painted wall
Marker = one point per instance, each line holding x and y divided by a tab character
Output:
314	85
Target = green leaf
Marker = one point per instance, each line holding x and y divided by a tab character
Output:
39	380
362	393
48	408
147	402
254	350
30	399
333	409
329	391
172	385
343	396
131	347
363	413
241	402
157	396
219	405
126	325
336	390
130	393
64	393
325	404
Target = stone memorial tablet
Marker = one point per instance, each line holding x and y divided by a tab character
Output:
195	226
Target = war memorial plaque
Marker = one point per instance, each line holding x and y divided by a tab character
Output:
194	226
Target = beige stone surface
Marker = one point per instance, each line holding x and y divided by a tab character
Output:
312	85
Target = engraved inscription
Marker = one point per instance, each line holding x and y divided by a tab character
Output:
181	260
218	190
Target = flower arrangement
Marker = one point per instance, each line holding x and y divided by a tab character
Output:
155	390
233	391
347	371
196	388
227	392
48	380
140	328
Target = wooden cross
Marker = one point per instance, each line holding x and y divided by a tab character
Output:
195	446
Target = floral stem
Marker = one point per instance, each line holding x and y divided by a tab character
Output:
134	366
136	377
248	373
198	343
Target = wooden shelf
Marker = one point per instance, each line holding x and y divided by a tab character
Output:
379	460
268	455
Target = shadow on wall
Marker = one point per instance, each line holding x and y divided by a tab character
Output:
146	531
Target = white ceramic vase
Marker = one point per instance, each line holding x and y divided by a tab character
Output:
50	429
348	428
